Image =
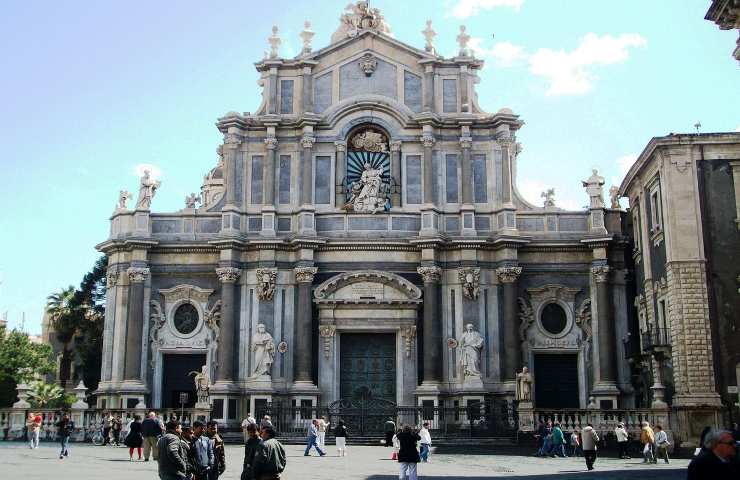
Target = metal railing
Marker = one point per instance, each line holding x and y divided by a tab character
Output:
656	337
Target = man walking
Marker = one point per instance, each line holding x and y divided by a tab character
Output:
65	427
647	438
251	447
171	453
116	426
269	462
311	439
408	456
245	424
589	438
202	448
661	443
219	451
622	440
390	429
150	430
426	442
107	426
558	441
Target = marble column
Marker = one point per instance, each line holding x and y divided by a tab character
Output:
465	106
341	173
302	353
427	142
396	174
231	145
607	348
505	144
432	334
429	88
135	324
466	142
512	347
228	277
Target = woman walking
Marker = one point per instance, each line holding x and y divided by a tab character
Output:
408	455
134	438
340	435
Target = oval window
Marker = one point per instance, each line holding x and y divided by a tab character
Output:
553	318
186	318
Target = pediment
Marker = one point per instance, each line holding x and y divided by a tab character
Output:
367	286
377	42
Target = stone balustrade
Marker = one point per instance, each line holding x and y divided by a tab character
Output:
602	420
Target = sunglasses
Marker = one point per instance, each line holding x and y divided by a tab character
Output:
729	442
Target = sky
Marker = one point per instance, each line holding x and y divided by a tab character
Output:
91	91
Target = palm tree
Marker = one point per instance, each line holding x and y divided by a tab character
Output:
65	317
42	394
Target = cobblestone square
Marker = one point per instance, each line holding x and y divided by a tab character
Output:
371	463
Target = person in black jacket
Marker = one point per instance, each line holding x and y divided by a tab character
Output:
151	429
340	435
134	438
65	427
717	460
408	455
250	449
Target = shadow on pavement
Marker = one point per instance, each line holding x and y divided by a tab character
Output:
672	473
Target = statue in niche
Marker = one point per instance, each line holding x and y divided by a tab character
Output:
147	189
266	283
524	385
263	347
369	194
471	344
595	189
202	384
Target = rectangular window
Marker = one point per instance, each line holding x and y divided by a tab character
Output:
284	180
451	178
286	96
480	182
322	187
449	96
255	196
232	409
413	179
656	213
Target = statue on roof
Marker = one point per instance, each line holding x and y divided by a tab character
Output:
359	16
147	188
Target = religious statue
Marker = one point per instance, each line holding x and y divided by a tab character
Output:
471	344
549	196
470	279
614	197
263	347
123	197
266	283
462	40
524	385
370	141
594	187
202	384
191	200
359	16
147	188
369	194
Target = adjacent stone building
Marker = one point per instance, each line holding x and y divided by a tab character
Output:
362	237
726	14
684	205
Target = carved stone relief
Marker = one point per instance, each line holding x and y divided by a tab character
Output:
470	280
266	283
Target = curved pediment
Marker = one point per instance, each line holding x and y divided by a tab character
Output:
367	286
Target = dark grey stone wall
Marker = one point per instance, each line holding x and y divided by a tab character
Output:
499	174
284	179
412	91
368	223
451	190
325	224
286	96
208	225
322	179
353	81
255	196
530	224
322	92
406	224
573	224
413	179
480	180
166	226
449	95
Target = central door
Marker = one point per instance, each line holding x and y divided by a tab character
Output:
368	366
177	378
556	380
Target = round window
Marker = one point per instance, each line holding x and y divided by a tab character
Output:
186	318
553	318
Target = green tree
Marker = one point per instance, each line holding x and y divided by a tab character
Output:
66	316
20	361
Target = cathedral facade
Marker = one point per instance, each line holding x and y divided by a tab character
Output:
362	237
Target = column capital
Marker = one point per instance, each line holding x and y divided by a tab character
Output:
431	274
340	146
228	274
600	273
271	143
396	146
504	141
112	278
232	139
305	274
466	142
308	141
427	140
137	275
508	274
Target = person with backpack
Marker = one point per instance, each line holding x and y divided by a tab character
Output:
65	427
661	443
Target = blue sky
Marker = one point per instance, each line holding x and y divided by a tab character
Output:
90	90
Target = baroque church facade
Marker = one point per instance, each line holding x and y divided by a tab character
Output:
362	237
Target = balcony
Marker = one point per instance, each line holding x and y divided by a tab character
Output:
656	339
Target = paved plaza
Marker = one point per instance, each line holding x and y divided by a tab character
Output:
371	463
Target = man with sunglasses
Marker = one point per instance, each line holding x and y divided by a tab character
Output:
719	458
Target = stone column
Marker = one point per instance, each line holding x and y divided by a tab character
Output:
303	357
465	106
512	347
607	349
467	209
505	144
228	277
396	174
427	140
230	223
135	324
429	88
268	177
307	89
306	217
341	173
432	341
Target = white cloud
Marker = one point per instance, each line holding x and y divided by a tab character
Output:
154	171
468	8
738	128
505	53
625	162
569	73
